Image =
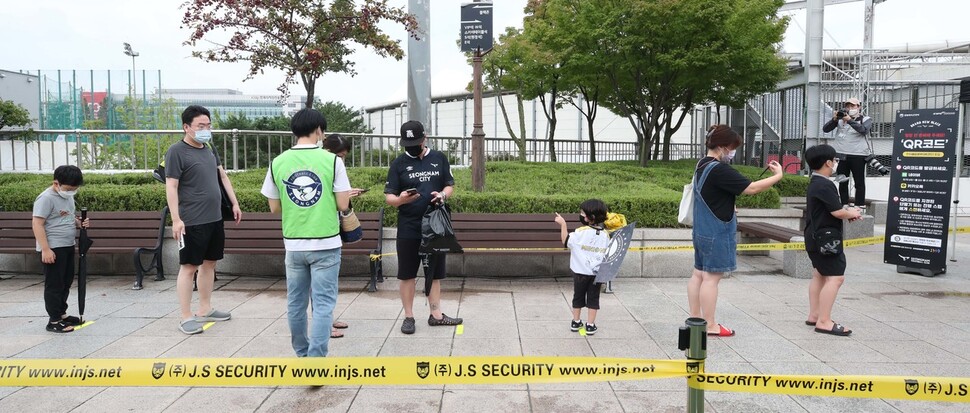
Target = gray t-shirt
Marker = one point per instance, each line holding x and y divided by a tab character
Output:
59	215
197	172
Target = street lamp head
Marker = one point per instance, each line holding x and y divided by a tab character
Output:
128	50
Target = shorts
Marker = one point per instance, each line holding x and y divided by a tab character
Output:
203	242
828	265
409	260
586	292
717	254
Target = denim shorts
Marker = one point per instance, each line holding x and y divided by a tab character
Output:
717	253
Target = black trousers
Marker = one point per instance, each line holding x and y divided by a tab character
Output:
58	278
854	165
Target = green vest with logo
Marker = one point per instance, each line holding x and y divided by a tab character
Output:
304	178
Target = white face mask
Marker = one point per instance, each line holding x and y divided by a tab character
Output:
853	112
66	194
730	155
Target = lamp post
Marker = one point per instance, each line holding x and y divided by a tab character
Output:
134	77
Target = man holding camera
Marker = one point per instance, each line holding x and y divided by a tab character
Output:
852	144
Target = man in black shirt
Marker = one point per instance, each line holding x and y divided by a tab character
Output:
824	211
415	180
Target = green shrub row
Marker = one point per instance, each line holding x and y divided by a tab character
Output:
650	196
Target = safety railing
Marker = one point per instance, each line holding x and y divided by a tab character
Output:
43	150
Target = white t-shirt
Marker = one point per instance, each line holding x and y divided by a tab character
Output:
587	249
340	184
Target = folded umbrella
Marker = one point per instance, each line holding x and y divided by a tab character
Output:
615	252
84	244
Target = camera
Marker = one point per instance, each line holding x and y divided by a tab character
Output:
840	114
874	163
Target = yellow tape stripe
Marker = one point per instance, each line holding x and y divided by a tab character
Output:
946	389
770	246
348	371
207	325
84	324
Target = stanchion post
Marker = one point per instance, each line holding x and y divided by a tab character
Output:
693	338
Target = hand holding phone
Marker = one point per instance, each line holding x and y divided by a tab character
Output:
410	191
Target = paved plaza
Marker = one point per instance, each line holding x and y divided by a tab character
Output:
903	325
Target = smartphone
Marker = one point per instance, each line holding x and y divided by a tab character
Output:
410	191
181	242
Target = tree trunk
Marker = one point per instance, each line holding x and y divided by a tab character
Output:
310	85
592	141
521	142
550	113
669	131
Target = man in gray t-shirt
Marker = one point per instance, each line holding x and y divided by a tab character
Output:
192	176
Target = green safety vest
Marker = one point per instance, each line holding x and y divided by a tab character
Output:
304	178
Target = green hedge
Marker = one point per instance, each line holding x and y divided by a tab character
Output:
649	195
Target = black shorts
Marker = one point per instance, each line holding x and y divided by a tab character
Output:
204	242
828	265
409	260
586	292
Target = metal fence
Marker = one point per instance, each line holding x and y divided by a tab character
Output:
43	150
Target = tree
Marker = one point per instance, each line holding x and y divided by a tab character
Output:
541	69
498	77
582	82
305	38
12	114
342	118
663	57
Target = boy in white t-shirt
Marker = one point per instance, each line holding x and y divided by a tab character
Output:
587	250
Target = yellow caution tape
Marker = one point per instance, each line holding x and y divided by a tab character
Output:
84	324
945	389
769	246
346	371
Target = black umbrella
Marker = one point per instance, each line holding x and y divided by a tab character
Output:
84	244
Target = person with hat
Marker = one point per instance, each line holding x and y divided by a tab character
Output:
852	144
416	179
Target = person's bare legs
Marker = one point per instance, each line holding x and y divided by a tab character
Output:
434	299
206	282
576	313
702	297
826	300
814	288
183	285
708	299
407	296
694	293
592	316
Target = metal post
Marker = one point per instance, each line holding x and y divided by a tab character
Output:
419	66
813	51
478	134
956	189
696	352
235	152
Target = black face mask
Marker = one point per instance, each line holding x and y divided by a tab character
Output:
582	220
414	151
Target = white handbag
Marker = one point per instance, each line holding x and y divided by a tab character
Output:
686	214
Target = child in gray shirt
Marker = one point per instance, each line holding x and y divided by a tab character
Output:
54	224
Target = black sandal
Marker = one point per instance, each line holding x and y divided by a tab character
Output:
60	327
71	320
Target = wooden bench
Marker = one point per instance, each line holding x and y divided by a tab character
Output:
493	234
795	262
118	232
261	234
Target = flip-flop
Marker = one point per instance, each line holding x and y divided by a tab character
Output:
722	332
810	323
837	330
336	334
340	324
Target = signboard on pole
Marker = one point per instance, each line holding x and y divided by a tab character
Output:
476	26
924	151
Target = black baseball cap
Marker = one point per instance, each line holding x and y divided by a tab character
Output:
412	132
